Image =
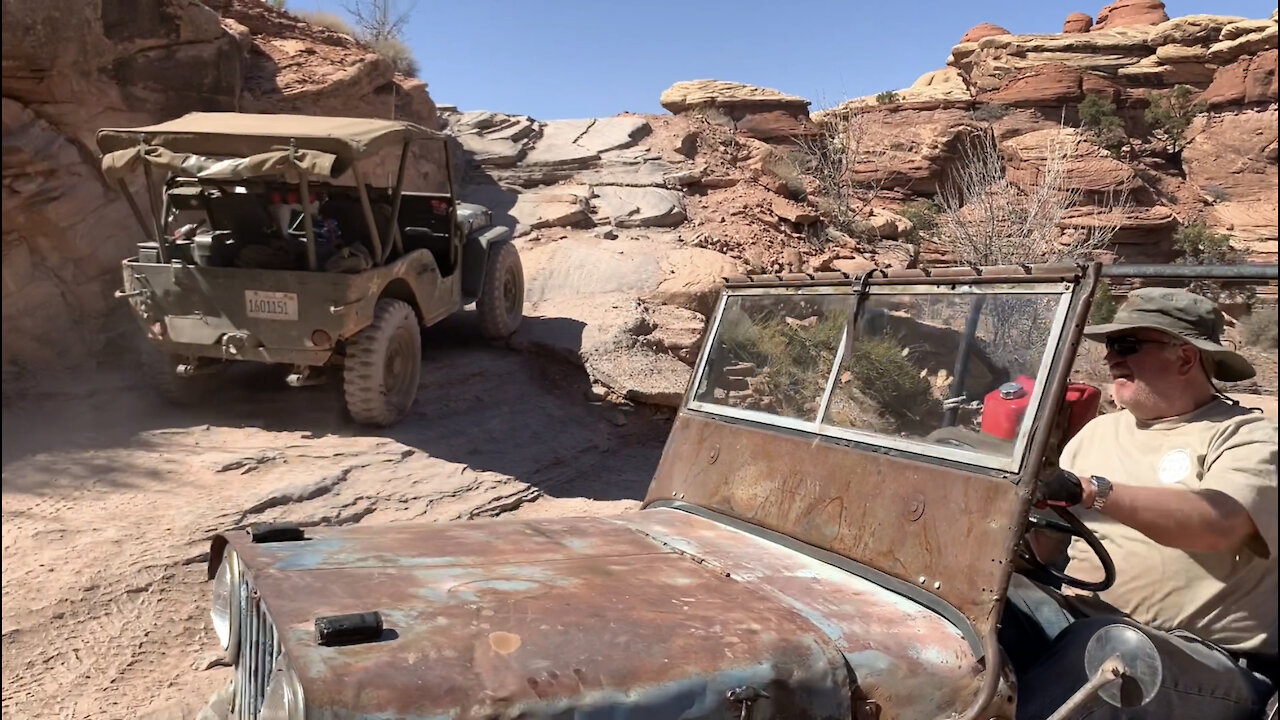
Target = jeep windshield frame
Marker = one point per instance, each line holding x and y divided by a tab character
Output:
858	299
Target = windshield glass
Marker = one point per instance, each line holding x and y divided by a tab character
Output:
940	371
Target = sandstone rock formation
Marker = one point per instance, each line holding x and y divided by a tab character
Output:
1124	13
982	30
71	68
761	113
1077	22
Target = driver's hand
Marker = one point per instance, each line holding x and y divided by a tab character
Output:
1059	489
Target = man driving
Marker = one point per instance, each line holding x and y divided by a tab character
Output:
1180	486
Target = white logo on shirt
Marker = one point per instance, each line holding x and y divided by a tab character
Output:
1175	466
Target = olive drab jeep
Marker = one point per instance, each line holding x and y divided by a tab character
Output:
831	532
270	240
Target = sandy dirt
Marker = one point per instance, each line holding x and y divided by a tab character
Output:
109	499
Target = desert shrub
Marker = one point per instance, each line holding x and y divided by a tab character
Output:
1170	114
1218	194
784	166
830	158
1258	329
1098	117
882	372
923	215
1201	245
398	54
327	20
1104	305
278	4
795	360
988	112
888	97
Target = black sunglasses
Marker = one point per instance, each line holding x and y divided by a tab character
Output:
1126	345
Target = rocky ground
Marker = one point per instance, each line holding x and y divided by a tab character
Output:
110	498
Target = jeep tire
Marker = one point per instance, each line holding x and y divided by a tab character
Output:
383	365
501	301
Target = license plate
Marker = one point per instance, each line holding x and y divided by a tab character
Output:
271	305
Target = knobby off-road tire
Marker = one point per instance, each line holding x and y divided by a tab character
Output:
173	388
501	302
383	365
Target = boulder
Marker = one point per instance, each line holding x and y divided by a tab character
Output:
559	206
1245	27
1049	84
1245	81
1227	50
1077	22
1089	168
693	95
757	112
1131	12
558	147
1191	30
982	30
913	149
693	279
1235	154
630	207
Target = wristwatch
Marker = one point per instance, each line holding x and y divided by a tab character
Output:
1102	491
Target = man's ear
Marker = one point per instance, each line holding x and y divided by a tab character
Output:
1188	359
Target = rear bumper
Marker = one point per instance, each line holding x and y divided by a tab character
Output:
203	312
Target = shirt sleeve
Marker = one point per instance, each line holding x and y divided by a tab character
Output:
1241	463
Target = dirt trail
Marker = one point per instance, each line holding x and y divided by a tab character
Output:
109	499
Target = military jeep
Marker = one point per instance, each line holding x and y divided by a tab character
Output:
831	532
270	240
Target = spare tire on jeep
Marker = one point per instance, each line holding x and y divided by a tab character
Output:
501	301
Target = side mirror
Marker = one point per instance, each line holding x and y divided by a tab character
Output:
1123	667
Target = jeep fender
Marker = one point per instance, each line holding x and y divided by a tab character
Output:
474	254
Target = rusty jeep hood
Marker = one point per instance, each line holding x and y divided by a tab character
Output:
654	614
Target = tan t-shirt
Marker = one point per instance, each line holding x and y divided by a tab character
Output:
1228	598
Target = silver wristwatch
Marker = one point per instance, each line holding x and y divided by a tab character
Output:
1103	486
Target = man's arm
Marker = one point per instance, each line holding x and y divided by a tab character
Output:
1191	520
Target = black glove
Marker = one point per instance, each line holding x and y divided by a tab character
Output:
1059	489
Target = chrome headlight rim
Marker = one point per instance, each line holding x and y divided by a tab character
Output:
228	637
283	699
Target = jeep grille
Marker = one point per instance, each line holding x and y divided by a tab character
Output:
259	649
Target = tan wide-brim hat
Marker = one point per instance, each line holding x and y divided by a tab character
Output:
1183	315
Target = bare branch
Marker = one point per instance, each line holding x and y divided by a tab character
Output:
988	219
378	20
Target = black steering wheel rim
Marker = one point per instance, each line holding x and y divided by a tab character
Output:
1071	525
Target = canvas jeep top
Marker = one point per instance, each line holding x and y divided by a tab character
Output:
830	533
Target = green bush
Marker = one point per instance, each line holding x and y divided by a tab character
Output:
1104	305
398	54
988	112
1258	329
883	374
888	97
1098	117
327	20
923	215
1200	245
278	4
1170	114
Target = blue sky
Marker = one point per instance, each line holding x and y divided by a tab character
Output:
556	59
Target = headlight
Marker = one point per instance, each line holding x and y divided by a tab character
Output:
226	605
284	695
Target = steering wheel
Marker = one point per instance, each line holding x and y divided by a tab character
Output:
1069	525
